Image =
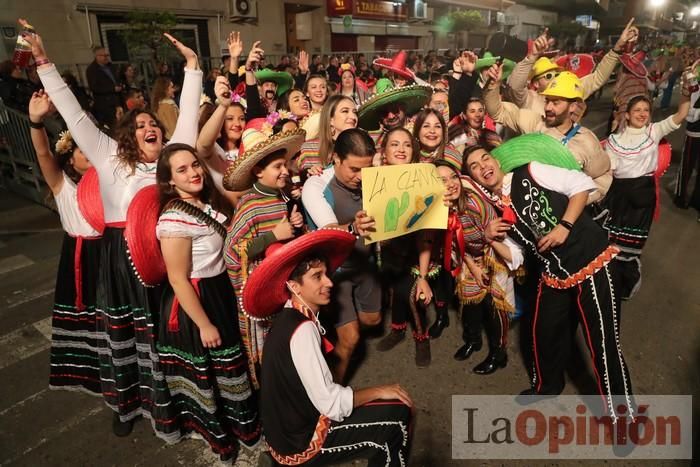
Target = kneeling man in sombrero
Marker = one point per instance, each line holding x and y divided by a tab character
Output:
307	418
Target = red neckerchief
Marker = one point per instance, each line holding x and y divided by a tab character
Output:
311	316
454	231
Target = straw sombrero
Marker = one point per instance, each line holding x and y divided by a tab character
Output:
397	65
284	80
311	124
534	147
255	146
90	200
634	63
142	244
265	291
413	97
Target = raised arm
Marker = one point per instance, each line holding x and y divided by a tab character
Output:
39	107
462	83
235	47
507	113
186	127
96	145
255	108
684	104
206	143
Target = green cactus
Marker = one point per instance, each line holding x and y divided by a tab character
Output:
394	211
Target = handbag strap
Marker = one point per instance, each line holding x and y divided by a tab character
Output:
194	211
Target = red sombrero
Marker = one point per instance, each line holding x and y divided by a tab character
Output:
142	244
396	65
265	291
635	63
90	200
579	64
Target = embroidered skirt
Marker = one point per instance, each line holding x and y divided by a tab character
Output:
631	202
75	340
209	388
132	383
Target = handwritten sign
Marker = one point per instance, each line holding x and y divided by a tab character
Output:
403	199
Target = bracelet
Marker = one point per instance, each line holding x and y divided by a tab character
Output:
44	61
36	125
566	224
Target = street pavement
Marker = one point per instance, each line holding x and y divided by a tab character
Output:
40	427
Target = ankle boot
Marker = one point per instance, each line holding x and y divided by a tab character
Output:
423	356
497	358
120	428
464	352
391	340
441	322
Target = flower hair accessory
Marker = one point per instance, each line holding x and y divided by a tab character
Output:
65	143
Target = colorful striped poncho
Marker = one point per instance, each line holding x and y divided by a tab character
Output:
449	155
477	215
259	211
309	156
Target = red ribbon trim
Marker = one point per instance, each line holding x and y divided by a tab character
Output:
173	321
78	265
454	227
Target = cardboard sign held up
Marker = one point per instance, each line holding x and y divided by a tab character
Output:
403	199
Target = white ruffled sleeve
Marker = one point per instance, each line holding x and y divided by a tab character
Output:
174	223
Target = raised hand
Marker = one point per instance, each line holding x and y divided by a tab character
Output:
256	54
35	41
39	106
495	73
222	90
284	230
295	218
629	35
186	52
467	61
235	45
303	62
541	44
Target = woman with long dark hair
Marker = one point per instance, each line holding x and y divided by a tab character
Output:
431	132
125	307
198	338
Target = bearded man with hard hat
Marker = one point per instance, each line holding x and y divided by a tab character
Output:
562	97
538	71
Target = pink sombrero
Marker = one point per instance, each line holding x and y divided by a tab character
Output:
265	291
142	244
635	63
90	200
396	65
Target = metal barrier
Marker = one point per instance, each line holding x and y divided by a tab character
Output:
19	168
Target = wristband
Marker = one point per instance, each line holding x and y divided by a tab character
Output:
36	125
566	224
44	61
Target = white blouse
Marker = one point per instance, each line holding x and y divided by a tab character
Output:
207	244
117	184
72	219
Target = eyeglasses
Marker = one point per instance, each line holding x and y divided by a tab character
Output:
549	76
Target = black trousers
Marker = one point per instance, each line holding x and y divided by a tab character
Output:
401	282
477	316
690	160
557	314
377	431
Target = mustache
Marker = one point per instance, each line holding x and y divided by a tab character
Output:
269	94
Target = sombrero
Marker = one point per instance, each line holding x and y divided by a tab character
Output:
413	97
635	63
396	65
534	147
311	124
142	244
255	146
284	80
488	60
579	64
266	291
90	200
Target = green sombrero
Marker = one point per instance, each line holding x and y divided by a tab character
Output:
283	79
534	147
413	97
489	60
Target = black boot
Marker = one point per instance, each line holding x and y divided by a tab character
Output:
120	428
472	324
441	322
497	358
423	356
468	349
390	341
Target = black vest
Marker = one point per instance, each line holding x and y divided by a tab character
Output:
539	211
288	416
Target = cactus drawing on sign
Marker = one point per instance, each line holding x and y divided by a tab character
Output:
394	211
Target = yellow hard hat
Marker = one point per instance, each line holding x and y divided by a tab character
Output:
542	66
567	85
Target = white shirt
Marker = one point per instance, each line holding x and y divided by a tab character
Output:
72	219
330	399
117	185
207	244
635	151
315	203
